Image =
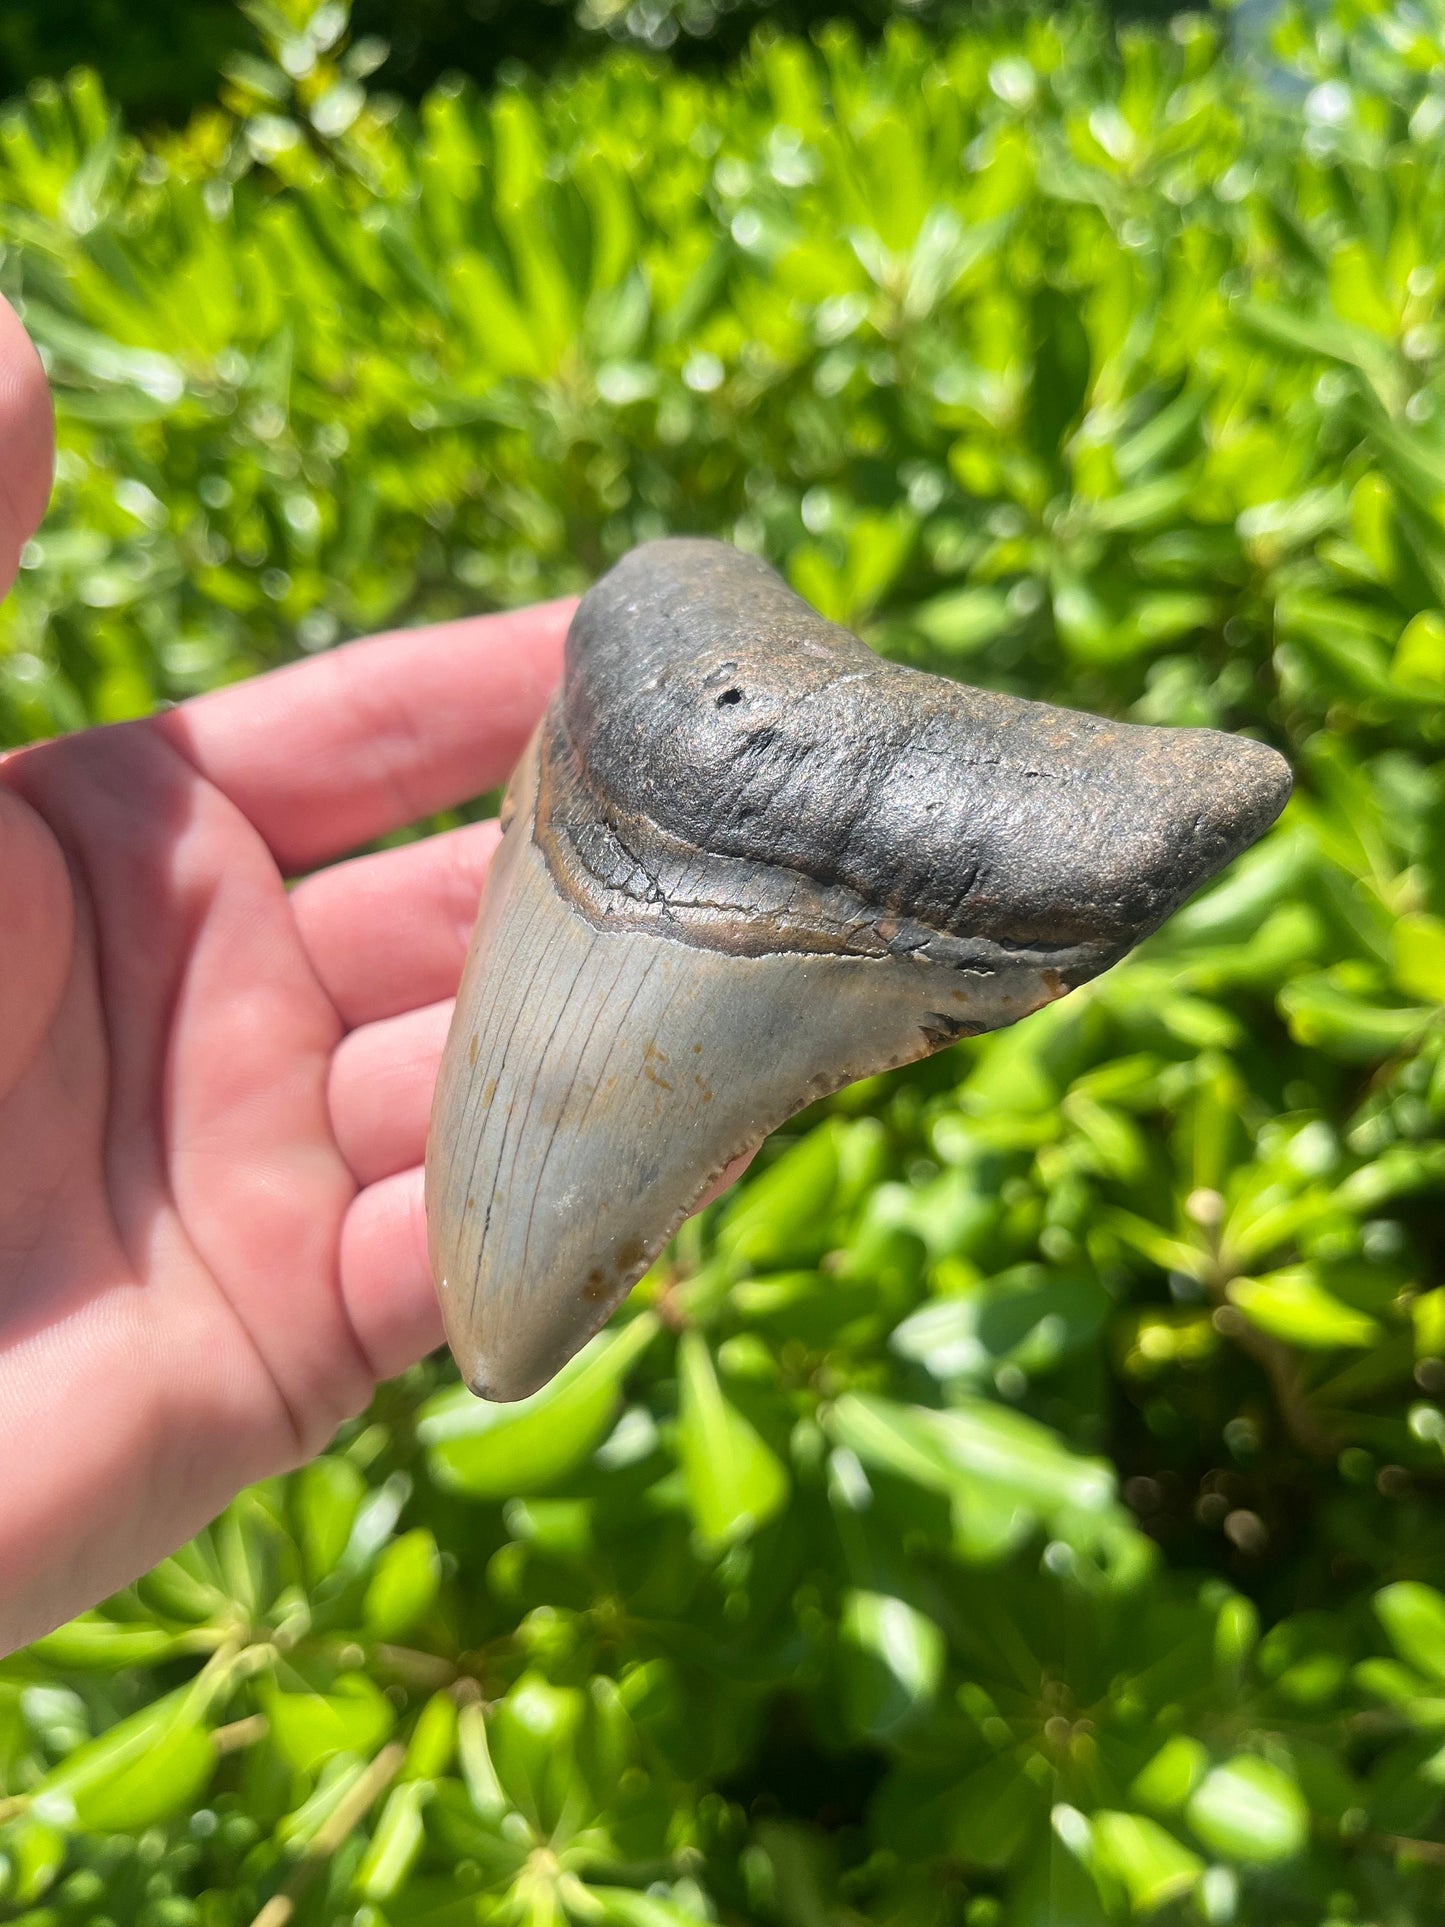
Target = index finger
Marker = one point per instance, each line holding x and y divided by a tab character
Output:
324	755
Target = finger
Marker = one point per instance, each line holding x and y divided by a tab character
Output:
386	1273
325	755
27	442
729	1175
36	933
380	1091
388	933
386	1276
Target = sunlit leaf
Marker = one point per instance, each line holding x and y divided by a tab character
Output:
354	1717
1413	1616
892	1659
734	1481
1292	1305
491	1451
404	1584
1249	1810
1150	1865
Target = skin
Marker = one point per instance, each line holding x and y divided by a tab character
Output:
214	1090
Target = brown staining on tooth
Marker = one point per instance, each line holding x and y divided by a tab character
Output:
651	1058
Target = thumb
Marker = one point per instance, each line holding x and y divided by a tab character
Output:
37	933
27	442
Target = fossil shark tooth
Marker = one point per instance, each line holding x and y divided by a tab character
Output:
746	862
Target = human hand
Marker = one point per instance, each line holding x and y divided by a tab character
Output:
214	1090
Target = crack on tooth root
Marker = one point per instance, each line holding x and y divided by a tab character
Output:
633	874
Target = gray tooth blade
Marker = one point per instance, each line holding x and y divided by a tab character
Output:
597	1081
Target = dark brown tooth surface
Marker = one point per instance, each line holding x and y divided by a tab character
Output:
708	710
748	861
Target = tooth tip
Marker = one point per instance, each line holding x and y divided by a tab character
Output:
1267	788
499	1385
1247	784
492	1393
506	1369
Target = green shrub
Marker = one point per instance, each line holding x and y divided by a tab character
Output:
161	62
1019	1502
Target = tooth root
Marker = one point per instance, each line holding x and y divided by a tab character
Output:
598	1080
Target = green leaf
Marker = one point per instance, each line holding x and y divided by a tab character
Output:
404	1586
973	1439
1330	339
1419	943
1061	370
779	1219
1413	1616
1150	1865
1171	1775
1419	661
1325	1011
891	1658
989	1813
1236	1634
1168	1253
733	1482
434	1740
479	1771
334	1782
396	1843
307	1728
533	1736
93	1641
487	1451
631	1909
1403	1169
1427	1313
137	1773
1292	1305
1249	1810
964	621
36	1853
326	1497
1027	1317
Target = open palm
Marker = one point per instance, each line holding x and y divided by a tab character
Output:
214	1089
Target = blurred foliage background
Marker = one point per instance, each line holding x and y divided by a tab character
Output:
160	62
1018	1503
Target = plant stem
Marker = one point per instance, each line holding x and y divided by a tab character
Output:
279	1909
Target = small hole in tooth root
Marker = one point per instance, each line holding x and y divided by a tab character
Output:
729	697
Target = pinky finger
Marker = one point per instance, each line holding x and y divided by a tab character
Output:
386	1276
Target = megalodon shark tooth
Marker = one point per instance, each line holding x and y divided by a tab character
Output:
747	861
